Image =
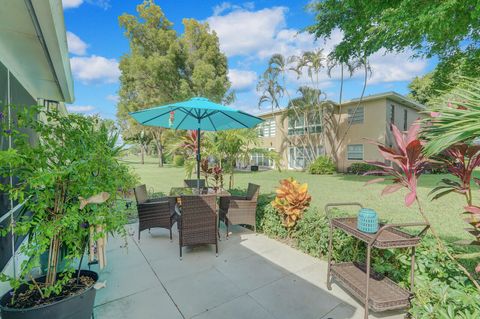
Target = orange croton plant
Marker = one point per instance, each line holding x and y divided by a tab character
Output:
291	201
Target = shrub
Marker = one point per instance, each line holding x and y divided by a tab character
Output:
291	201
311	237
178	160
270	223
323	165
361	168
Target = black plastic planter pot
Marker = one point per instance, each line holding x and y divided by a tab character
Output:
75	307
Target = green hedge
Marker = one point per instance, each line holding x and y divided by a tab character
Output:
323	165
361	168
178	160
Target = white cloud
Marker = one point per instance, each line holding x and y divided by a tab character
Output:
80	108
395	67
241	79
244	32
112	97
75	44
95	69
104	4
71	3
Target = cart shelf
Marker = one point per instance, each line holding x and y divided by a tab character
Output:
384	293
389	238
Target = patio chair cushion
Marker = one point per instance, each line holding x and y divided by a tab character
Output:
141	194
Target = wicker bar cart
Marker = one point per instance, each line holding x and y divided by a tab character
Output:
378	292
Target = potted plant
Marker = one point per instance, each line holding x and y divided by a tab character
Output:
72	163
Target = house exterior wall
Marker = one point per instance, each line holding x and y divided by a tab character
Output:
377	116
372	128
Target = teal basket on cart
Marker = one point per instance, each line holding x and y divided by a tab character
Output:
367	221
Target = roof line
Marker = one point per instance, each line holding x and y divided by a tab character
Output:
388	94
41	39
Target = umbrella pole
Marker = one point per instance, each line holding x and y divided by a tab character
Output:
198	159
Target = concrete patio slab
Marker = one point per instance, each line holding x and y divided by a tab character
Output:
293	297
253	277
243	307
201	291
147	304
252	272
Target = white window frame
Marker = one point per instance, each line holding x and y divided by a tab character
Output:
300	126
296	151
352	158
268	128
255	157
356	115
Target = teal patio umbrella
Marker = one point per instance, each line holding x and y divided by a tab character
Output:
198	114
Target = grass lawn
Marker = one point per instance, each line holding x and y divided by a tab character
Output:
443	213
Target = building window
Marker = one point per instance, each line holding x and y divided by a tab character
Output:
405	120
260	159
356	115
392	115
300	157
267	128
312	123
355	152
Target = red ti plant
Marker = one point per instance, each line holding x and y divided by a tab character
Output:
214	173
406	162
189	142
461	159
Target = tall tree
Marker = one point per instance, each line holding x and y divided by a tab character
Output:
162	67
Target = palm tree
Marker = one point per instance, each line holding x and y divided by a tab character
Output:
308	107
268	84
455	117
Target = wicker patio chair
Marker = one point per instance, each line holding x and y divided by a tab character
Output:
197	224
192	183
240	210
152	213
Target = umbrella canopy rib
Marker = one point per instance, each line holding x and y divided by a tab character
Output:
246	126
160	115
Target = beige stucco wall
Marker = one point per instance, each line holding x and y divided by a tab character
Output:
412	116
372	128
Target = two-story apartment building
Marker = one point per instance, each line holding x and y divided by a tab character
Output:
352	124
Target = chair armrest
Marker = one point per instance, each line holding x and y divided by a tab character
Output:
242	204
158	205
225	201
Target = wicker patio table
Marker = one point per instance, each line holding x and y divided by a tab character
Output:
376	291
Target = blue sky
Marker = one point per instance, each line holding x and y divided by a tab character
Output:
249	32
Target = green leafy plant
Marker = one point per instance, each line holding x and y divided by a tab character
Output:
410	163
212	173
291	201
178	160
454	117
360	168
323	165
74	158
270	223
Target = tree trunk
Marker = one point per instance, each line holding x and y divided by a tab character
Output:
159	145
157	136
53	261
142	154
